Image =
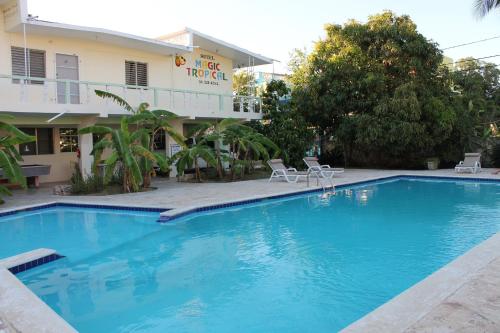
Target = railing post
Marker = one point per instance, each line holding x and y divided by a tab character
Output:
22	95
66	92
155	97
87	90
45	93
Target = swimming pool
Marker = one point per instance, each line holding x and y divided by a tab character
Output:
298	264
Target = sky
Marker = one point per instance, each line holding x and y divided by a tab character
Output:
275	27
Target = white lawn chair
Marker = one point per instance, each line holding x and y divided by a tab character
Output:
291	175
471	163
324	171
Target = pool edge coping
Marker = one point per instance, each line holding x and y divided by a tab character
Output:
23	311
26	313
407	308
176	213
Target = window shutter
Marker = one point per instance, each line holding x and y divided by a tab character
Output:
130	73
136	73
17	56
36	63
142	74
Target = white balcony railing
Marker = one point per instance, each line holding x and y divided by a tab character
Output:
44	95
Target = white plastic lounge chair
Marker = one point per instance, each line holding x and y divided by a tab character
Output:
471	163
324	171
291	175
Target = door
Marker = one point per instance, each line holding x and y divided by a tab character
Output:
67	69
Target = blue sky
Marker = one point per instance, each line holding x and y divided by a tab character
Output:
274	28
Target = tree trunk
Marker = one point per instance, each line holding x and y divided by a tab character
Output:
125	181
219	160
197	170
233	162
244	166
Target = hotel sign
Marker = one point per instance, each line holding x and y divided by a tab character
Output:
206	69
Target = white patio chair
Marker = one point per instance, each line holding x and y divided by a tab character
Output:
471	163
291	175
324	171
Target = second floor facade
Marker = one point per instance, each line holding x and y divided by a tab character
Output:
52	68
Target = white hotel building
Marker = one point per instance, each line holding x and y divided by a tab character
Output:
49	71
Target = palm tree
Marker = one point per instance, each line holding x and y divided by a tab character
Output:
246	142
127	149
483	7
9	155
190	155
215	132
153	121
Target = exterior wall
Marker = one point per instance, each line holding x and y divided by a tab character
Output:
206	97
97	61
12	13
183	72
62	163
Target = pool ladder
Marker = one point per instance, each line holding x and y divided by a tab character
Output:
322	180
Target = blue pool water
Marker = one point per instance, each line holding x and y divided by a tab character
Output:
291	265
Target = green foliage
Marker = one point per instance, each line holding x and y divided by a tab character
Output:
479	87
483	7
244	146
242	81
379	93
9	155
132	147
79	185
495	156
284	126
190	155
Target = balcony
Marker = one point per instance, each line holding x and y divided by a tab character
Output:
29	95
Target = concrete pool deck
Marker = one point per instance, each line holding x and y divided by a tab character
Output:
463	298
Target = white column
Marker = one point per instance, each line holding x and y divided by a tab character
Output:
177	124
85	144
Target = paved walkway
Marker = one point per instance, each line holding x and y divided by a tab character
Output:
469	304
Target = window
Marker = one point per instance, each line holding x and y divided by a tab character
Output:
68	140
34	68
136	73
159	140
43	145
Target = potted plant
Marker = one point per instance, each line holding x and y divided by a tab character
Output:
432	163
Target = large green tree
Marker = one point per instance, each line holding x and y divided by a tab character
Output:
283	124
478	84
377	91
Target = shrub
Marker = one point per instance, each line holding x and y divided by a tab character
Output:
495	155
80	185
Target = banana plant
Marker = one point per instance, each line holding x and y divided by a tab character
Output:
152	121
127	149
9	154
245	142
216	132
191	155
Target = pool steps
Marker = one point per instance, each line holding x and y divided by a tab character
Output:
27	260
